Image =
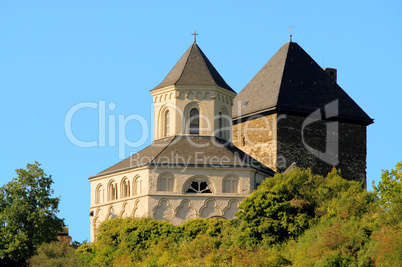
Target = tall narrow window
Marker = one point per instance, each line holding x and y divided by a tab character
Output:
194	121
99	194
137	186
220	125
166	183
112	191
125	188
231	185
167	123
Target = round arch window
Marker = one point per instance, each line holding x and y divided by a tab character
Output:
194	121
198	186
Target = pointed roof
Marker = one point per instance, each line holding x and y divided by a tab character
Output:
178	151
194	68
292	81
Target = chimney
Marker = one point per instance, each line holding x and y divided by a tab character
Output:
332	73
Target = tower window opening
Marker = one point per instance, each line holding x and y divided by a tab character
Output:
220	123
194	121
167	123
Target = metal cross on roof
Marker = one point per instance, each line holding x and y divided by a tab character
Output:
195	35
290	31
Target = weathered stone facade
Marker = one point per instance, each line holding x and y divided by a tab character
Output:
257	136
348	151
278	140
293	110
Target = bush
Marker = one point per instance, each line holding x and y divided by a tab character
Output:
390	185
296	219
55	254
129	238
285	206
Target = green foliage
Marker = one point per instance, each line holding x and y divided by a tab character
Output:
27	215
218	228
386	248
288	204
390	185
294	219
278	213
55	254
129	238
332	242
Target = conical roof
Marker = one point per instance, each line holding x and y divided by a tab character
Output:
194	68
292	81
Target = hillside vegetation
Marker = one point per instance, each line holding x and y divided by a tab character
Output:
294	219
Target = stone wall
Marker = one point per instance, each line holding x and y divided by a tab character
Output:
257	137
278	140
322	145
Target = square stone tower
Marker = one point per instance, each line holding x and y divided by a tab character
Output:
294	111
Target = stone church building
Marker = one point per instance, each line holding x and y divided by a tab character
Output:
213	147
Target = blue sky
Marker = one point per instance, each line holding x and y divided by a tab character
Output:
57	54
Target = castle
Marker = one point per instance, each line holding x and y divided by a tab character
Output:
213	147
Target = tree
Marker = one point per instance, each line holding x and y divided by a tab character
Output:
390	185
285	205
27	215
56	254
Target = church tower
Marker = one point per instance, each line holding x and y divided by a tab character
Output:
294	111
193	99
191	169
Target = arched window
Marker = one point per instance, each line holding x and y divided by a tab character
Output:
220	125
194	121
125	188
167	123
112	190
99	194
223	129
137	186
198	186
166	182
231	185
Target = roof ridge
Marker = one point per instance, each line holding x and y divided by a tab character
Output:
206	61
185	65
268	78
174	137
282	72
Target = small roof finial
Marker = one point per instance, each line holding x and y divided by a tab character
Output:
195	36
290	31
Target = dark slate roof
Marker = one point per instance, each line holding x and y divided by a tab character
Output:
194	68
292	81
189	151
